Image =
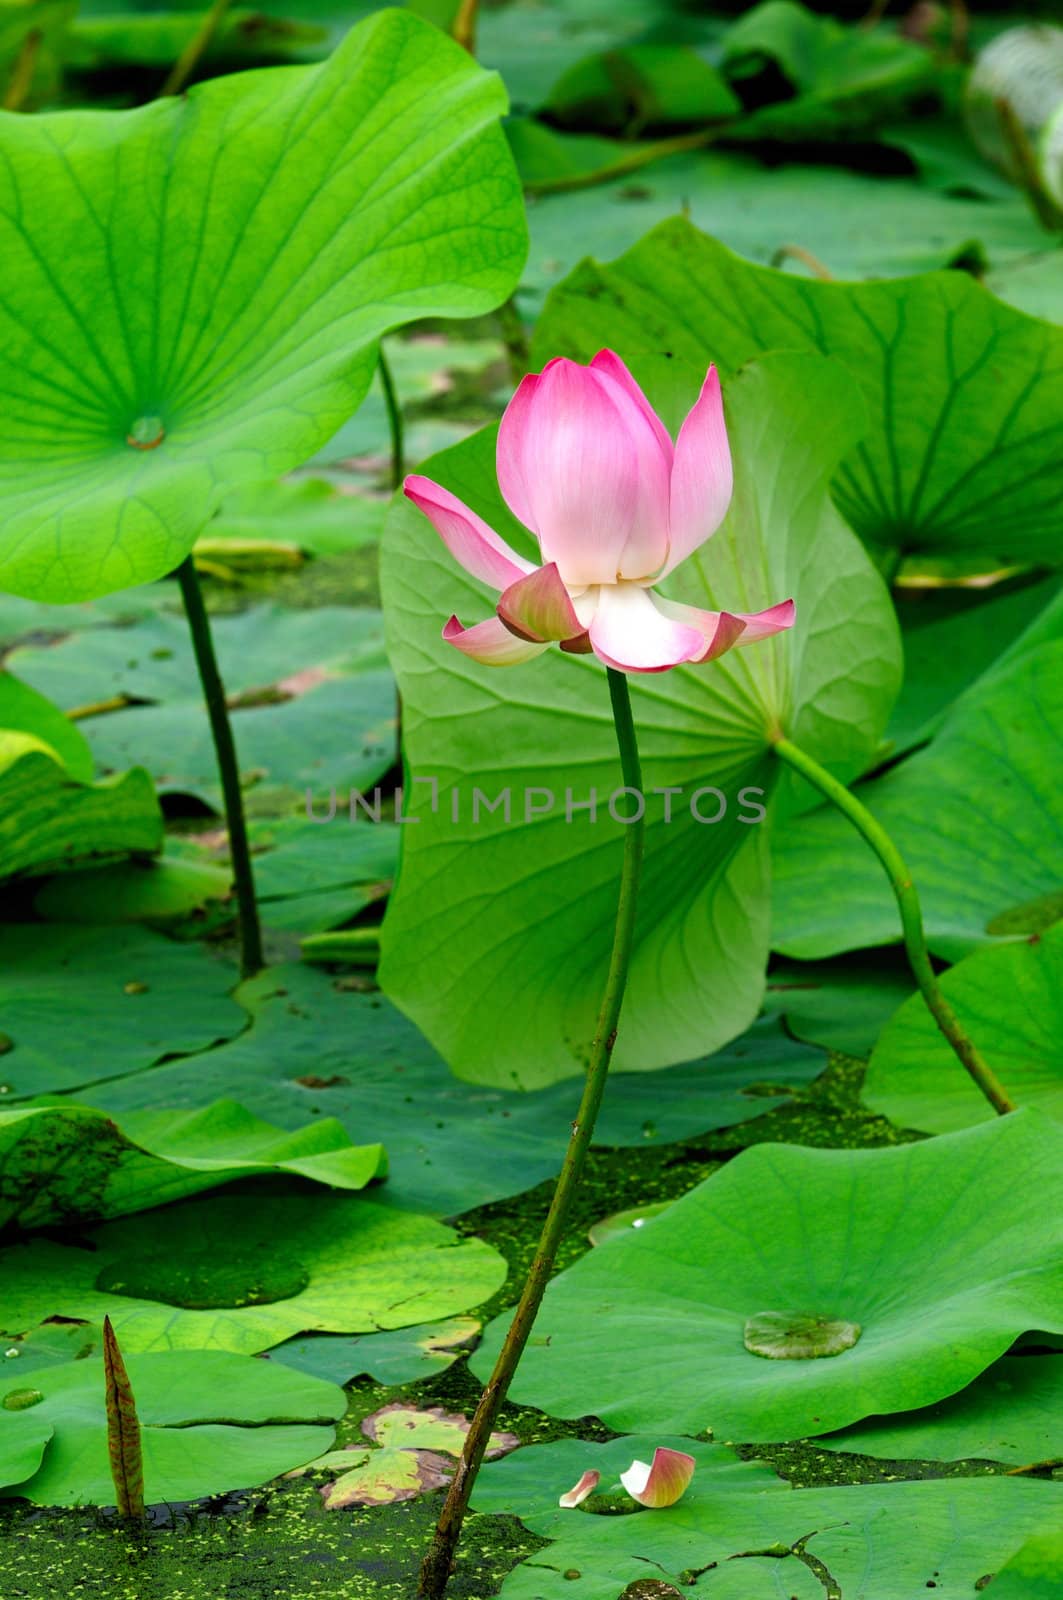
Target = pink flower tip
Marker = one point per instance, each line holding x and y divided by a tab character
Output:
663	1482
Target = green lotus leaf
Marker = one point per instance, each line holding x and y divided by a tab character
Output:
49	820
976	815
163	891
743	1534
195	288
967	449
1012	1413
1009	998
497	937
136	997
64	1162
840	1005
400	1357
151	660
951	647
24	710
242	1272
931	1249
210	1422
855	224
318	1048
1033	1571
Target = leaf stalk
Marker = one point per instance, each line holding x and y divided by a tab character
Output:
435	1571
911	913
251	956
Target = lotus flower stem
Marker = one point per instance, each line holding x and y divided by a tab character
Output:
196	48
251	957
395	425
911	919
437	1563
123	1429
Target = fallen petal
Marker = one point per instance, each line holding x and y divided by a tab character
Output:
491	643
663	1482
579	1491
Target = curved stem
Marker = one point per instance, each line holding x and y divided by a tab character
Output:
251	958
632	161
21	79
195	49
437	1563
911	918
395	423
463	29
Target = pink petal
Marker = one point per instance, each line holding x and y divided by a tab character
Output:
474	545
722	630
609	362
702	477
579	1492
662	1483
581	465
630	632
491	643
539	607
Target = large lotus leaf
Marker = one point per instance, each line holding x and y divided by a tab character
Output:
497	938
930	1254
245	1271
24	710
954	648
195	288
152	660
1033	1571
967	446
210	1422
136	997
318	1048
1010	999
49	820
1012	1413
740	1533
977	815
66	1161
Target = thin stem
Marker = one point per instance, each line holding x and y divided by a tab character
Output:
437	1563
395	423
797	252
463	30
1027	169
251	957
632	161
21	80
195	49
911	918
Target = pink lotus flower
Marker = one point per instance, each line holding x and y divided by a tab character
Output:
586	464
